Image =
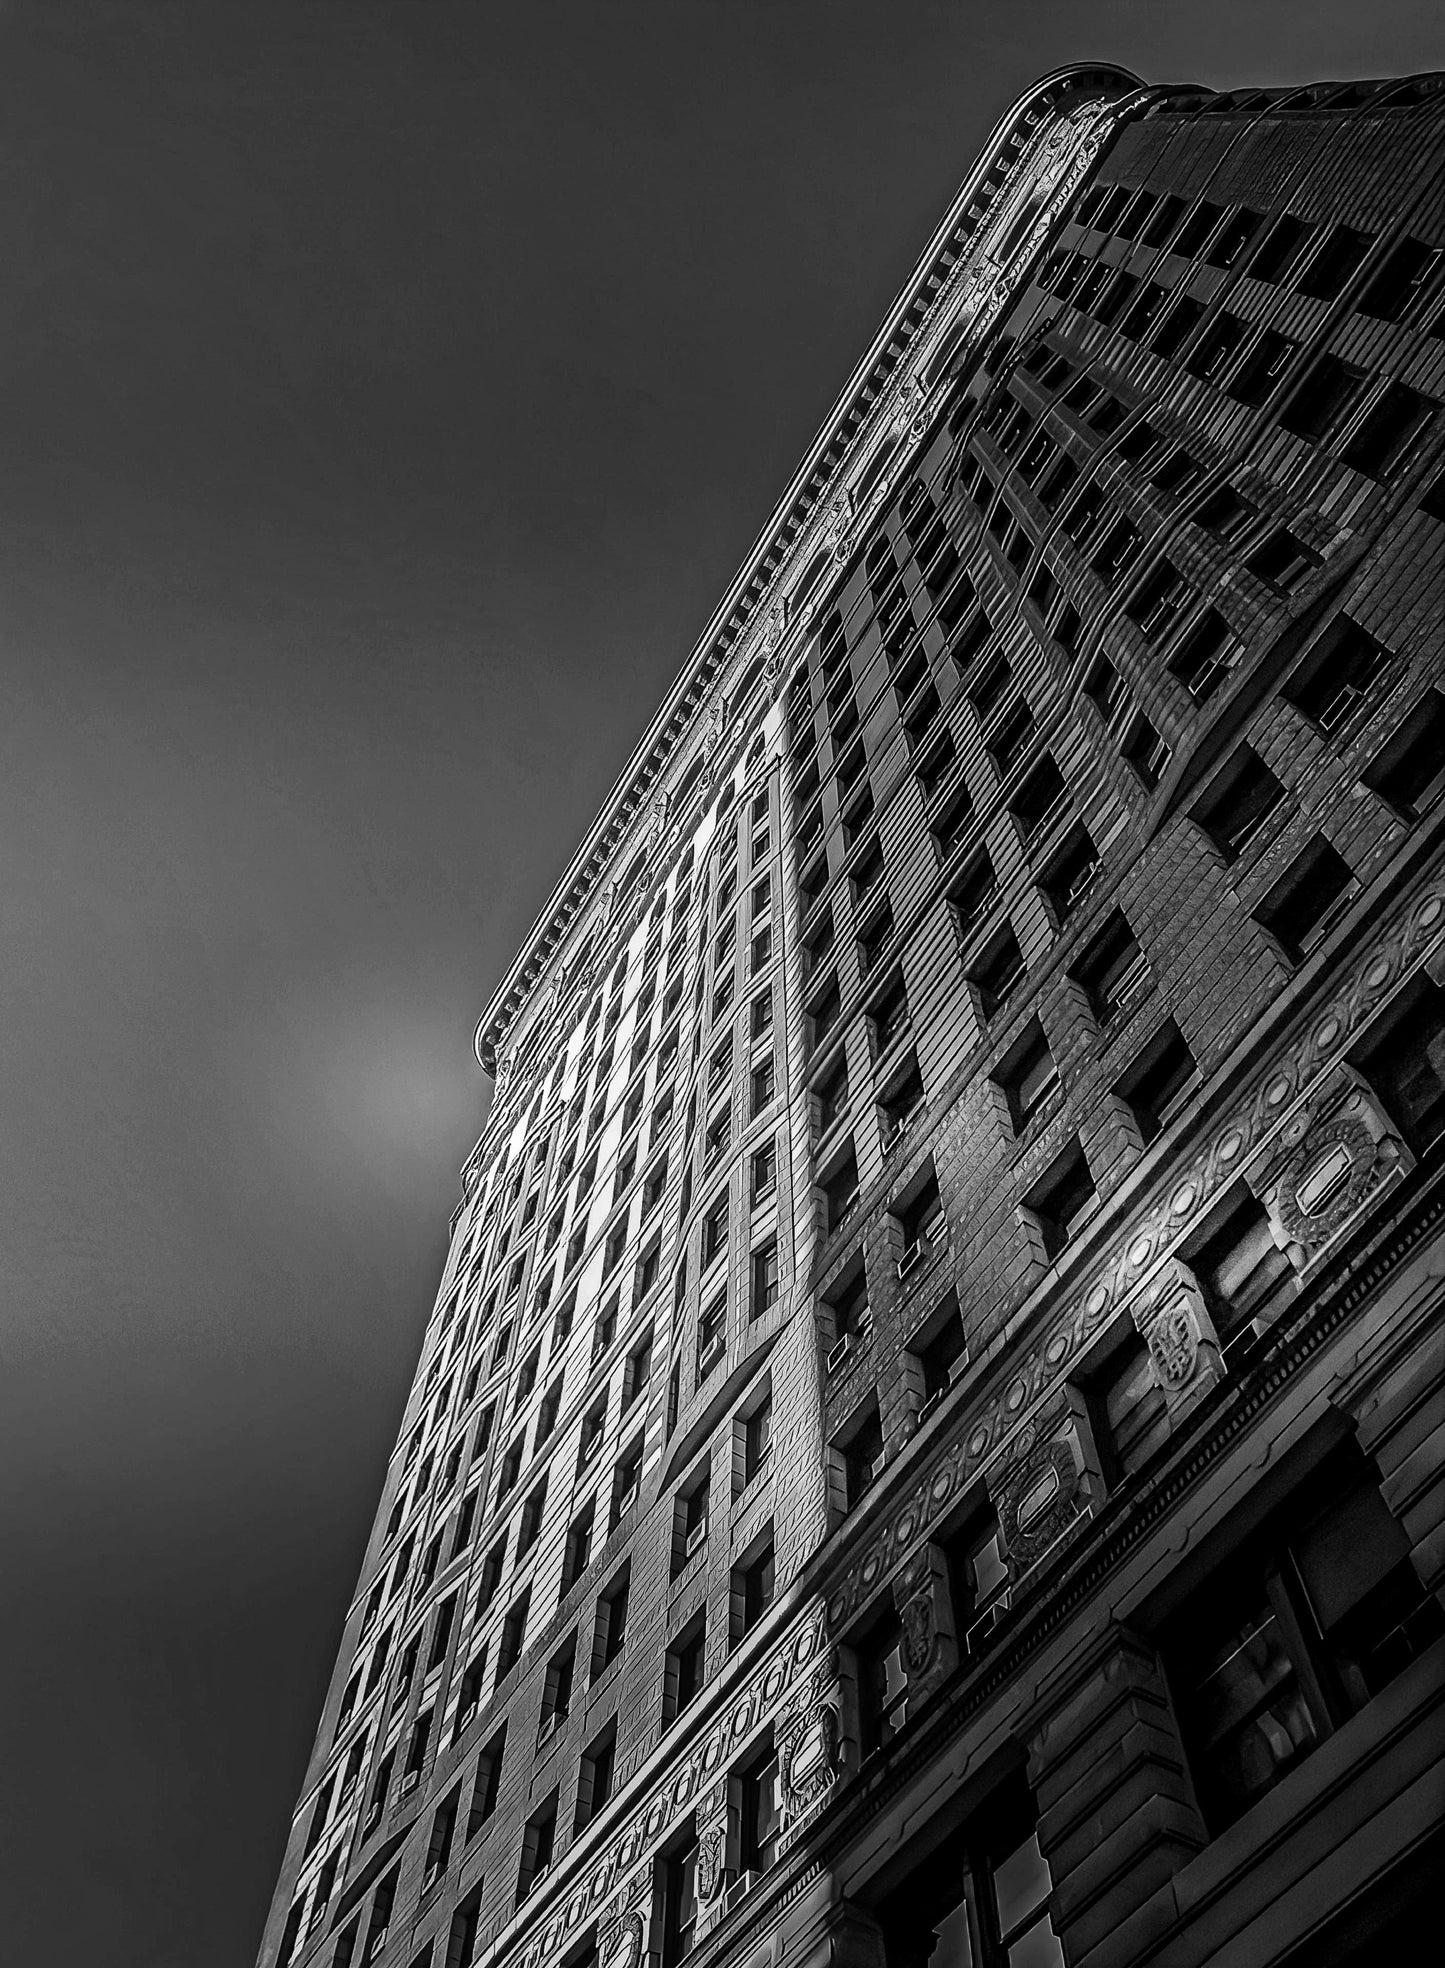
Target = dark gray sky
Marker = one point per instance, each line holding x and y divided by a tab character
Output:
387	393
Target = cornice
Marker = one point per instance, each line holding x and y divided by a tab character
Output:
1032	164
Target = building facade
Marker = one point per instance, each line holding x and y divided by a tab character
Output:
928	1444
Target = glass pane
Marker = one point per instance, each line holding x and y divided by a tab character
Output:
990	1574
1020	1884
1037	1947
954	1949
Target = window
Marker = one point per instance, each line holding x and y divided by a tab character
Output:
932	771
715	1231
1409	770
1403	1056
1156	1084
610	1635
530	1524
840	1190
491	1574
763	1085
1233	237
1389	431
539	1841
752	1587
462	1936
1337	675
405	1673
1027	1076
690	1519
985	1895
1238	803
764	1280
759	1798
1062	1200
577	1553
760	1014
514	1627
1246	1279
626	1483
919	1216
882	1683
616	1246
1311	1618
861	1455
469	1695
1158	601
939	1346
683	1668
348	1701
1216	349
442	1632
1303	905
597	1775
874	938
712	1333
764	1171
1326	391
900	1100
1010	738
831	1090
997	970
376	1799
291	1933
717	1137
638	1370
1399	280
1197	228
526	1378
439	1845
319	1815
605	1330
382	1903
1283	560
1126	1406
1146	751
1176	327
888	1013
679	1900
1280	245
1070	873
972	894
1037	797
1333	264
757	1439
594	1426
416	1750
557	1689
1205	656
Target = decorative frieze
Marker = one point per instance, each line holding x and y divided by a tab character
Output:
794	1661
929	1649
1045	1484
1232	1147
1336	1156
1171	1317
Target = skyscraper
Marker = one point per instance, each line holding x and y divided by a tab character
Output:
928	1443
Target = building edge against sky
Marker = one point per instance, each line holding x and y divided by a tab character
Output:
928	1444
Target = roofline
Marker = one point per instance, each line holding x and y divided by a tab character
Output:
772	550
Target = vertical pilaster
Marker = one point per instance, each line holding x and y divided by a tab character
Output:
1117	1815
